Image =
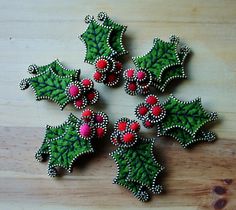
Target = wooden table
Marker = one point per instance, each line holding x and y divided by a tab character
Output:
40	31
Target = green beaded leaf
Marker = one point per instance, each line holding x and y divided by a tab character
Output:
65	149
58	69
162	55
123	173
96	38
186	139
189	116
116	35
138	169
54	132
173	72
50	86
143	166
63	145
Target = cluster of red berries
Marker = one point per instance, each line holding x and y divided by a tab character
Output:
150	111
125	132
137	82
107	71
93	124
82	93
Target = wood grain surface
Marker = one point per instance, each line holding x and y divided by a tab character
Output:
40	31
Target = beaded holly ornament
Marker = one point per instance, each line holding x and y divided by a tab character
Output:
103	42
184	121
137	166
158	67
56	83
64	143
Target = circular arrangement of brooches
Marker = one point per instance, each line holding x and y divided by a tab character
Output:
137	82
125	132
150	111
137	166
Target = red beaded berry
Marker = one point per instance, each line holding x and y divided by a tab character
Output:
151	100
132	86
74	90
100	132
98	76
122	126
148	124
87	83
142	110
87	113
129	74
99	118
156	110
111	77
91	95
118	66
135	126
80	103
102	64
128	137
141	75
